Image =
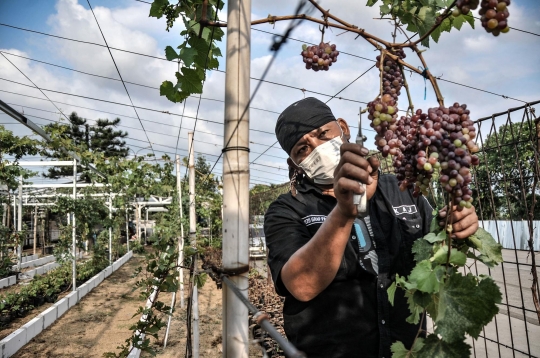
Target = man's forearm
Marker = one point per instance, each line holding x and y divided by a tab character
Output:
313	267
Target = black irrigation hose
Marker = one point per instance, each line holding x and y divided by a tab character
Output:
264	323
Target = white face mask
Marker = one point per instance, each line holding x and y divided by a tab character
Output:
321	163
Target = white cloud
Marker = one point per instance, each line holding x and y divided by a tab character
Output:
504	65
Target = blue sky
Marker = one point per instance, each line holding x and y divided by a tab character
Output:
506	65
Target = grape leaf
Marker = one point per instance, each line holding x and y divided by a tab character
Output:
424	277
186	55
433	347
470	19
156	9
399	351
391	291
170	53
433	238
384	9
456	257
458	22
167	89
422	250
371	2
191	80
200	279
415	309
434	226
422	299
490	250
446	25
436	34
465	306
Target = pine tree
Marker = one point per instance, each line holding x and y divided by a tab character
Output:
99	137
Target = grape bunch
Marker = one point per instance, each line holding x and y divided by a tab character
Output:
465	6
441	140
494	16
383	116
320	57
391	74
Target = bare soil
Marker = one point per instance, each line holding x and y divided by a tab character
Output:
97	324
100	322
209	326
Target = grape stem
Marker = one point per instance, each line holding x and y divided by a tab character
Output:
434	84
381	67
409	98
449	226
419	329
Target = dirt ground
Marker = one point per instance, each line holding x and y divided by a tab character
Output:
100	322
209	325
97	324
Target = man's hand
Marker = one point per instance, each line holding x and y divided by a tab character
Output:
353	169
464	222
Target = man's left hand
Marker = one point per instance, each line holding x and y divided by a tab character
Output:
465	222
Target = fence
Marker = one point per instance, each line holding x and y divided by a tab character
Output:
507	199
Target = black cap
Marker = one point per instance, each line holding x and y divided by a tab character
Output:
299	119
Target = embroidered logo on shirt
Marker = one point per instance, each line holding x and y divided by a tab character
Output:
405	209
314	219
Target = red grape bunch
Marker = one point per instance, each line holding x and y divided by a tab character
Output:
320	57
465	6
383	116
494	16
456	151
391	74
441	140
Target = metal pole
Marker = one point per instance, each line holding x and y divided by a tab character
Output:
73	230
236	175
138	222
14	212
181	242
19	227
180	260
146	228
127	229
262	320
35	229
110	231
193	242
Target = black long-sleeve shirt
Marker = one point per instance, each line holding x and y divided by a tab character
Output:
352	317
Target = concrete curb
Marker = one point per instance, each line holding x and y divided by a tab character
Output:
16	340
8	281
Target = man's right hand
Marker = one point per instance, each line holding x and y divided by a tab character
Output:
353	169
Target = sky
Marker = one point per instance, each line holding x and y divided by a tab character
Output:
506	66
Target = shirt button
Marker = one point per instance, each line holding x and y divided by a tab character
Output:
418	226
383	322
382	285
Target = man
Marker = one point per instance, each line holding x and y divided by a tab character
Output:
332	267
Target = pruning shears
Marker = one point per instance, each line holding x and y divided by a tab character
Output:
360	200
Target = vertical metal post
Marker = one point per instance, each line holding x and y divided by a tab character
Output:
181	241
110	231
193	242
35	229
180	260
236	175
14	211
138	221
19	226
146	228
127	229
74	232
